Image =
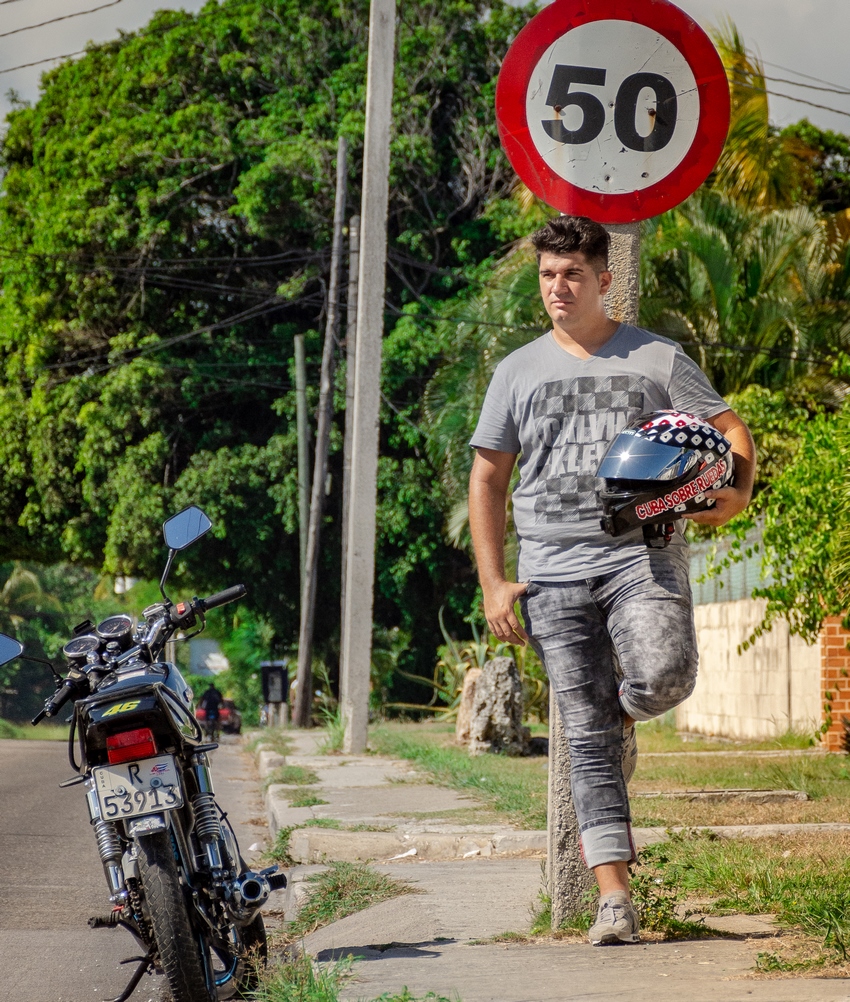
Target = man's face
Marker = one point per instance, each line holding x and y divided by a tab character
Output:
571	288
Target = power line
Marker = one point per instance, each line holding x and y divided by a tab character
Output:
788	97
788	69
796	83
64	17
38	62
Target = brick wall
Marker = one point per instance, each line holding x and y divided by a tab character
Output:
835	681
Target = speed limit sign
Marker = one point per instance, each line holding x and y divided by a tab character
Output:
613	109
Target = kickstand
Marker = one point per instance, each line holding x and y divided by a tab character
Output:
144	964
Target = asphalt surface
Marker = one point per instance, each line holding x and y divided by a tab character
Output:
51	879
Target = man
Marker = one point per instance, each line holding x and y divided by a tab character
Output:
210	703
611	618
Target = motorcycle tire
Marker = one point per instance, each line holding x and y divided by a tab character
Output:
176	941
254	941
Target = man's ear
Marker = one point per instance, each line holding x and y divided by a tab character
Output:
606	280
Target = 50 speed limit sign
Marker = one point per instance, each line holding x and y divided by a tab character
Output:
613	109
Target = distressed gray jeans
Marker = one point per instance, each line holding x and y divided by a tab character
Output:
642	618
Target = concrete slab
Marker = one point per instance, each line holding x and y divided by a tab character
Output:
715	971
314	845
454	900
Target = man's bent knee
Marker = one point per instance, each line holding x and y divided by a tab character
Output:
658	692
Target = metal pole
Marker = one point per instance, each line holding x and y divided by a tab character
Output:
304	689
567	876
350	358
303	452
360	557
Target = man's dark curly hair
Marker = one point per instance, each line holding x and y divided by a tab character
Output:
568	234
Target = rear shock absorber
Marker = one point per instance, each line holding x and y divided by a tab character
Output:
207	821
110	848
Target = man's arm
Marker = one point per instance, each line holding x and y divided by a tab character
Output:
488	492
732	500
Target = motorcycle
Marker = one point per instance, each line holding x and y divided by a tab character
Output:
177	881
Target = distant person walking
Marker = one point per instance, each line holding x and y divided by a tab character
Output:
610	616
210	703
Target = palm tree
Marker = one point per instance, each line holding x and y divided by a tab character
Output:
759	167
754	295
478	332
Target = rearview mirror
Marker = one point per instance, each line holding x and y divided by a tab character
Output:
9	649
182	529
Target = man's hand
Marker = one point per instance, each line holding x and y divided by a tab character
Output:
730	501
499	602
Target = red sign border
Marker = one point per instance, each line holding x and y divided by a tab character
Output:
524	55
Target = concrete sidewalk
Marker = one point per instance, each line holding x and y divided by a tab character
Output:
477	882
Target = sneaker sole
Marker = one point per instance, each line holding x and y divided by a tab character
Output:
612	939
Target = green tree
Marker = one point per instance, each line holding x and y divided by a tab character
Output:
164	223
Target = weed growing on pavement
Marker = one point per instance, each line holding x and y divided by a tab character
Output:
802	879
292	775
274	737
305	798
301	980
342	889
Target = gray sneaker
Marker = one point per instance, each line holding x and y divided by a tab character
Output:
616	921
630	752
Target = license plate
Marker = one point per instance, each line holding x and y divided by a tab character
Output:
135	788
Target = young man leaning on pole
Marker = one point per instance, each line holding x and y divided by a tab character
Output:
610	616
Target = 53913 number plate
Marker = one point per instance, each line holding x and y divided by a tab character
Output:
135	788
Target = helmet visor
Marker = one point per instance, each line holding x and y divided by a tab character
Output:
630	457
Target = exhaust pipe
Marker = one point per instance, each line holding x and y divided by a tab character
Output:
248	893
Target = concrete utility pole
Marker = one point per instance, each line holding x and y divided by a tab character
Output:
360	556
567	876
304	689
350	360
303	451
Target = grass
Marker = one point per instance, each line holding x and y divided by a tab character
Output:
280	853
26	732
804	880
514	790
342	889
660	735
305	798
292	775
300	980
274	737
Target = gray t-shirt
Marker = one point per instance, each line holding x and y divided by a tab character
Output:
560	413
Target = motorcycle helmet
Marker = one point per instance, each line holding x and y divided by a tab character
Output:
658	468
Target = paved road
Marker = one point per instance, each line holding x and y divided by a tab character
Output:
51	879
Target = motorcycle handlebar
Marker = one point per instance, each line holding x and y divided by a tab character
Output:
222	597
57	701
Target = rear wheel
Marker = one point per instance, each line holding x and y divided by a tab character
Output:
177	942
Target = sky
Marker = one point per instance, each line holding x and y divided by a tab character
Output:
795	38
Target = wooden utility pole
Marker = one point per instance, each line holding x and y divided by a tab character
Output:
303	452
304	688
350	360
360	555
567	876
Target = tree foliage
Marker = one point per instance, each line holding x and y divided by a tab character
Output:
164	229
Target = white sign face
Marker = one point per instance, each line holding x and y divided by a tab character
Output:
612	107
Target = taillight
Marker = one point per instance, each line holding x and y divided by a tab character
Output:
130	745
